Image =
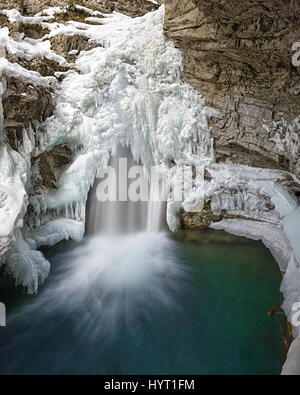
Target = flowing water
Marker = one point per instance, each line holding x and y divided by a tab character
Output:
124	215
133	300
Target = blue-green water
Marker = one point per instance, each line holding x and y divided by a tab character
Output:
191	303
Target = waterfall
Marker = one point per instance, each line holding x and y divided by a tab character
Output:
156	207
125	265
123	215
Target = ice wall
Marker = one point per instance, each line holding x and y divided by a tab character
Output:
126	91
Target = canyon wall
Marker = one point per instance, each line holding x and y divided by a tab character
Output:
239	56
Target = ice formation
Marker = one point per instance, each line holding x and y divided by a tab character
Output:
127	91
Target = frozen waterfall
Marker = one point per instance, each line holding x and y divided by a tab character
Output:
126	91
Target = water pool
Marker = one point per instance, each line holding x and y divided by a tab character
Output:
189	303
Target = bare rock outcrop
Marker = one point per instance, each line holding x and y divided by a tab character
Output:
63	45
49	164
23	105
239	56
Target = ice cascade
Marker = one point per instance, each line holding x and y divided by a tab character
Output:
126	92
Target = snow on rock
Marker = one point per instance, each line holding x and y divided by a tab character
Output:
28	48
33	77
27	266
14	16
13	178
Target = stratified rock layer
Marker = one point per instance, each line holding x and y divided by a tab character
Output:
239	56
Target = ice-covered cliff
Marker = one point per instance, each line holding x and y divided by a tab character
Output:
126	90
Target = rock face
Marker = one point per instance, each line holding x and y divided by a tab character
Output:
63	44
128	7
49	163
24	107
23	104
239	56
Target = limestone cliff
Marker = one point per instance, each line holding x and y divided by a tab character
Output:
239	56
